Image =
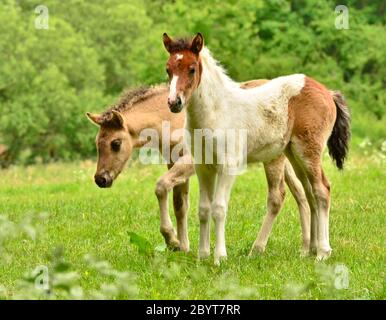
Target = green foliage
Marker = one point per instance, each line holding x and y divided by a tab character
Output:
94	49
142	244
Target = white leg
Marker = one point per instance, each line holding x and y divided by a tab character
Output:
219	212
323	200
206	181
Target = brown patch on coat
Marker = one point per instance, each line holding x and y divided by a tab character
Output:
312	114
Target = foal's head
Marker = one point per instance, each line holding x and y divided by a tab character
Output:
184	69
114	145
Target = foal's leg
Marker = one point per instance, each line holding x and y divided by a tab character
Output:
178	174
321	189
206	180
274	171
311	163
302	176
297	191
219	212
181	206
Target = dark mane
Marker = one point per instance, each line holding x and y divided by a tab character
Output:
180	44
131	97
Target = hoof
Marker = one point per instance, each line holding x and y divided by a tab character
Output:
256	249
184	248
219	259
304	253
323	255
313	248
203	254
174	245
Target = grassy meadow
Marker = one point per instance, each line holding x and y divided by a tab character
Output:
84	220
61	237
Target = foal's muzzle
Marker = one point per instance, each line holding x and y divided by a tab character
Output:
103	180
175	106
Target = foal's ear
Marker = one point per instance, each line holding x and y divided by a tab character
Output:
95	118
197	43
167	42
118	118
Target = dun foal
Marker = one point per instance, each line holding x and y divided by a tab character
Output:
119	133
293	116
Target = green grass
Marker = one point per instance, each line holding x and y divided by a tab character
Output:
87	220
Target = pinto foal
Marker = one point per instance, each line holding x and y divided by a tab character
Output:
293	116
119	133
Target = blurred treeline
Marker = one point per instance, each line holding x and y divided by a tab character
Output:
94	49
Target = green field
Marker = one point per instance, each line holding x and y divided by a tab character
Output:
86	220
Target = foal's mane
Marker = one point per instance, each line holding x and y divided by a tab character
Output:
131	97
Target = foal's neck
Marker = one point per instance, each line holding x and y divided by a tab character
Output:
150	114
137	122
215	85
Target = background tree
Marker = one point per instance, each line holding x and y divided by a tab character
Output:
95	49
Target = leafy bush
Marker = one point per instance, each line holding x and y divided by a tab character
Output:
93	50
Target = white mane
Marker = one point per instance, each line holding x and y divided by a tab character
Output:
215	70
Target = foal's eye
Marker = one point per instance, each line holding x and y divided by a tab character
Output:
192	71
116	145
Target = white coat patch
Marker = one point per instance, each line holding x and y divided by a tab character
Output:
173	88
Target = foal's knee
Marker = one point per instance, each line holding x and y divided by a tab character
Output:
161	189
204	213
275	200
218	211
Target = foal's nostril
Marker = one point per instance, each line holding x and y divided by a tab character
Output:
103	180
179	102
177	106
171	102
100	181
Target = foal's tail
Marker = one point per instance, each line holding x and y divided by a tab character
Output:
339	139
